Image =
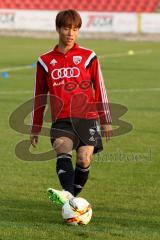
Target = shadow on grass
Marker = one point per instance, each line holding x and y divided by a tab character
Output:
127	217
29	211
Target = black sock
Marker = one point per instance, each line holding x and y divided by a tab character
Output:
81	176
65	172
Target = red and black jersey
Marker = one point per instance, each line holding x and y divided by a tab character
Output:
75	84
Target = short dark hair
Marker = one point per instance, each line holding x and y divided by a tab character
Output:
68	18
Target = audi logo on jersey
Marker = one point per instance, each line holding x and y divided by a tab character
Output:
70	72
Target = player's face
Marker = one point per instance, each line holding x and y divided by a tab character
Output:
68	35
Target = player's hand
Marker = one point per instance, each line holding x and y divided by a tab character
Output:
34	140
106	131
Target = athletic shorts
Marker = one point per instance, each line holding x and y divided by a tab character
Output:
83	132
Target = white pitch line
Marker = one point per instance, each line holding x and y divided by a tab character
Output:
15	92
16	68
116	55
135	90
111	90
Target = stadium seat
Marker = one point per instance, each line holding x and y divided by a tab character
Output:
131	8
121	8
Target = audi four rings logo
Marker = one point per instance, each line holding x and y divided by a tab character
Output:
65	72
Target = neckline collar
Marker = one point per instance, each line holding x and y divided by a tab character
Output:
57	50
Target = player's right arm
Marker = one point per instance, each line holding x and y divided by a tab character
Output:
39	102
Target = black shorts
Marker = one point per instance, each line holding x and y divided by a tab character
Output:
83	132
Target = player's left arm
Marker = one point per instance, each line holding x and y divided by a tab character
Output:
101	99
39	103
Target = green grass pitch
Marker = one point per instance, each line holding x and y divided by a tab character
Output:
123	190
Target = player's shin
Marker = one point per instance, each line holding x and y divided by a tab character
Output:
81	177
65	172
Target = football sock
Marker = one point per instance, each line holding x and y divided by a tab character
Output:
65	172
81	176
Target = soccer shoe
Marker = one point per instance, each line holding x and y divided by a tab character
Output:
59	197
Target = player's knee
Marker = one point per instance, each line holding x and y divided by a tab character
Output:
84	160
63	145
57	143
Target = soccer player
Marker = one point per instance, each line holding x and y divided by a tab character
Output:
72	76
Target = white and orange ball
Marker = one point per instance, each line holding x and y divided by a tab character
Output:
77	211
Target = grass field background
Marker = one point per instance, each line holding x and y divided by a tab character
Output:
124	192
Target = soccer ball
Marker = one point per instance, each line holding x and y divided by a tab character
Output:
77	211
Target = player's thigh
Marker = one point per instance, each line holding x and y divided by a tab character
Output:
63	145
84	155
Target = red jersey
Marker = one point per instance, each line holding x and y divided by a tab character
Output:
75	84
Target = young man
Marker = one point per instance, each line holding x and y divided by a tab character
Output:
72	77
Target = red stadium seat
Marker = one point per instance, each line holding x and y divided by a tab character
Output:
131	8
121	8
